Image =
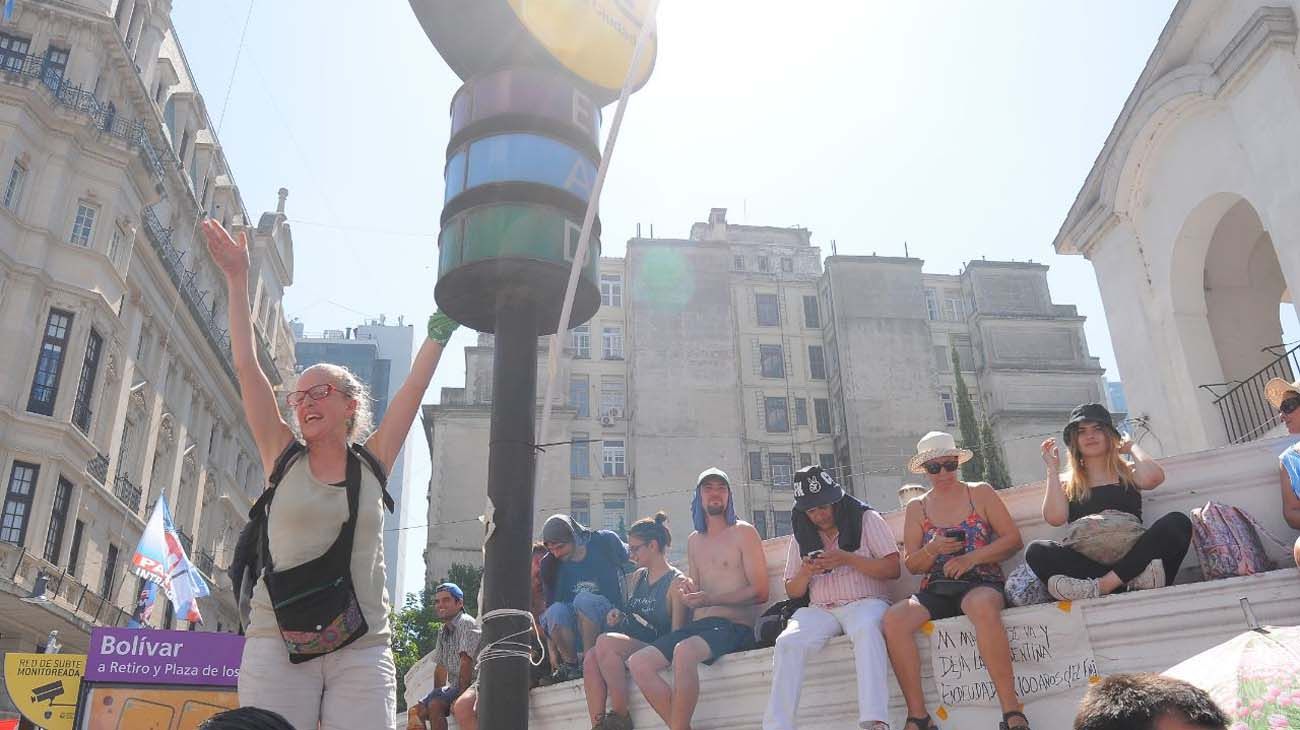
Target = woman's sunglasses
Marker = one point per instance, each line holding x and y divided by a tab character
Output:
1289	405
934	467
317	392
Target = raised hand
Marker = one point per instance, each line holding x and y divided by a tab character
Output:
230	254
1051	454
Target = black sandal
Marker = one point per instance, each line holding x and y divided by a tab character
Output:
1007	716
921	723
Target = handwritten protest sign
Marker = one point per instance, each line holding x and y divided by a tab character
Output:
1050	651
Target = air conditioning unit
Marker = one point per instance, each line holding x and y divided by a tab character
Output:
605	420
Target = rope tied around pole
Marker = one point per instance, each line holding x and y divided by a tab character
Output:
512	646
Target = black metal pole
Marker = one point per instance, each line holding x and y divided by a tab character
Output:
503	686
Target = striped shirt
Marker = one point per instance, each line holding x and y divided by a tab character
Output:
845	584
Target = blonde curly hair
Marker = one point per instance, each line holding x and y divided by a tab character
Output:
362	422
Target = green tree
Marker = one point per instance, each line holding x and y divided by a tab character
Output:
995	465
416	625
973	470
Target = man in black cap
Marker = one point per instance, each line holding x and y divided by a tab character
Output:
842	558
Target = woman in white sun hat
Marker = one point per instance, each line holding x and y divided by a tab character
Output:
956	538
1285	399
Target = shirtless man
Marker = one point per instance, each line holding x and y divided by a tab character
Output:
727	582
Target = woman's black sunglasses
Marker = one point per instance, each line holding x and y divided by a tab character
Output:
934	467
1289	405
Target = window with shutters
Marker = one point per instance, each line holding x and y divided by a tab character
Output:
58	520
83	226
773	361
580	456
611	290
805	459
822	414
612	342
782	469
74	555
776	416
801	411
755	466
580	509
768	310
787	265
812	316
49	365
614	514
816	362
613	396
760	522
614	459
14	186
931	304
949	407
18	503
81	412
579	395
781	518
110	568
580	341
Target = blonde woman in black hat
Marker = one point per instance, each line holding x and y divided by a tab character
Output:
1107	490
1285	399
956	538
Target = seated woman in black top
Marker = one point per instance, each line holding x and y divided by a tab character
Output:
1099	480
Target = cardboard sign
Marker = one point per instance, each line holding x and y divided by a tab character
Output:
44	687
420	679
164	658
1051	654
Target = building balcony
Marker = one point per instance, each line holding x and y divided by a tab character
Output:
97	468
173	260
127	492
68	605
29	70
204	561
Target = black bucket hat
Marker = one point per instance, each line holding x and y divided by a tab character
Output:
1094	412
815	487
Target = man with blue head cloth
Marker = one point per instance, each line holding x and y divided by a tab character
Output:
726	587
454	656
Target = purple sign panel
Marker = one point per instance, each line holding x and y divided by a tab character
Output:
143	656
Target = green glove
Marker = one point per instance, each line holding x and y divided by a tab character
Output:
440	328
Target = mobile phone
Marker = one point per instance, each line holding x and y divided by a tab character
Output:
955	533
816	554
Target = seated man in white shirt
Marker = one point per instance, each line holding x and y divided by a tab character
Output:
842	558
454	655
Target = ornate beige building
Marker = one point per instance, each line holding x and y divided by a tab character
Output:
116	384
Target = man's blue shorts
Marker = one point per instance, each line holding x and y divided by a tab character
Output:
592	605
446	695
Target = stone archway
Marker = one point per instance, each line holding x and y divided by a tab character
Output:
1226	288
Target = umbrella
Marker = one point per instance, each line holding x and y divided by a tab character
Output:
1252	677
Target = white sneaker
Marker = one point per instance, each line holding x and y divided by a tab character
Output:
1152	577
1065	588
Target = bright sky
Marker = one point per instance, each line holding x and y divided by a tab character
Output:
962	128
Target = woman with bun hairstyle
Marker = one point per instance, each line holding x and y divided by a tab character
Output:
652	610
1103	487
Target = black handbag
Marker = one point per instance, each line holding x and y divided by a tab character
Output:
315	604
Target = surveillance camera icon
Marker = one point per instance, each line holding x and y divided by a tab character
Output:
48	692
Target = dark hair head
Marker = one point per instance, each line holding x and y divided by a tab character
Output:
246	718
1135	701
653	528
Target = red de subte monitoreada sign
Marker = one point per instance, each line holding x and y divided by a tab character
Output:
142	656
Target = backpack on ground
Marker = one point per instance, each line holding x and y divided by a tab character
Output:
1227	544
246	563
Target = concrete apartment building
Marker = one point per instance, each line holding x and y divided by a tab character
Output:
735	347
116	384
380	355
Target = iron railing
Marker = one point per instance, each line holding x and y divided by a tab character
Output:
1246	413
127	492
187	542
205	562
103	115
98	468
173	260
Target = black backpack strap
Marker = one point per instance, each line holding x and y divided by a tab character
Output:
377	468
